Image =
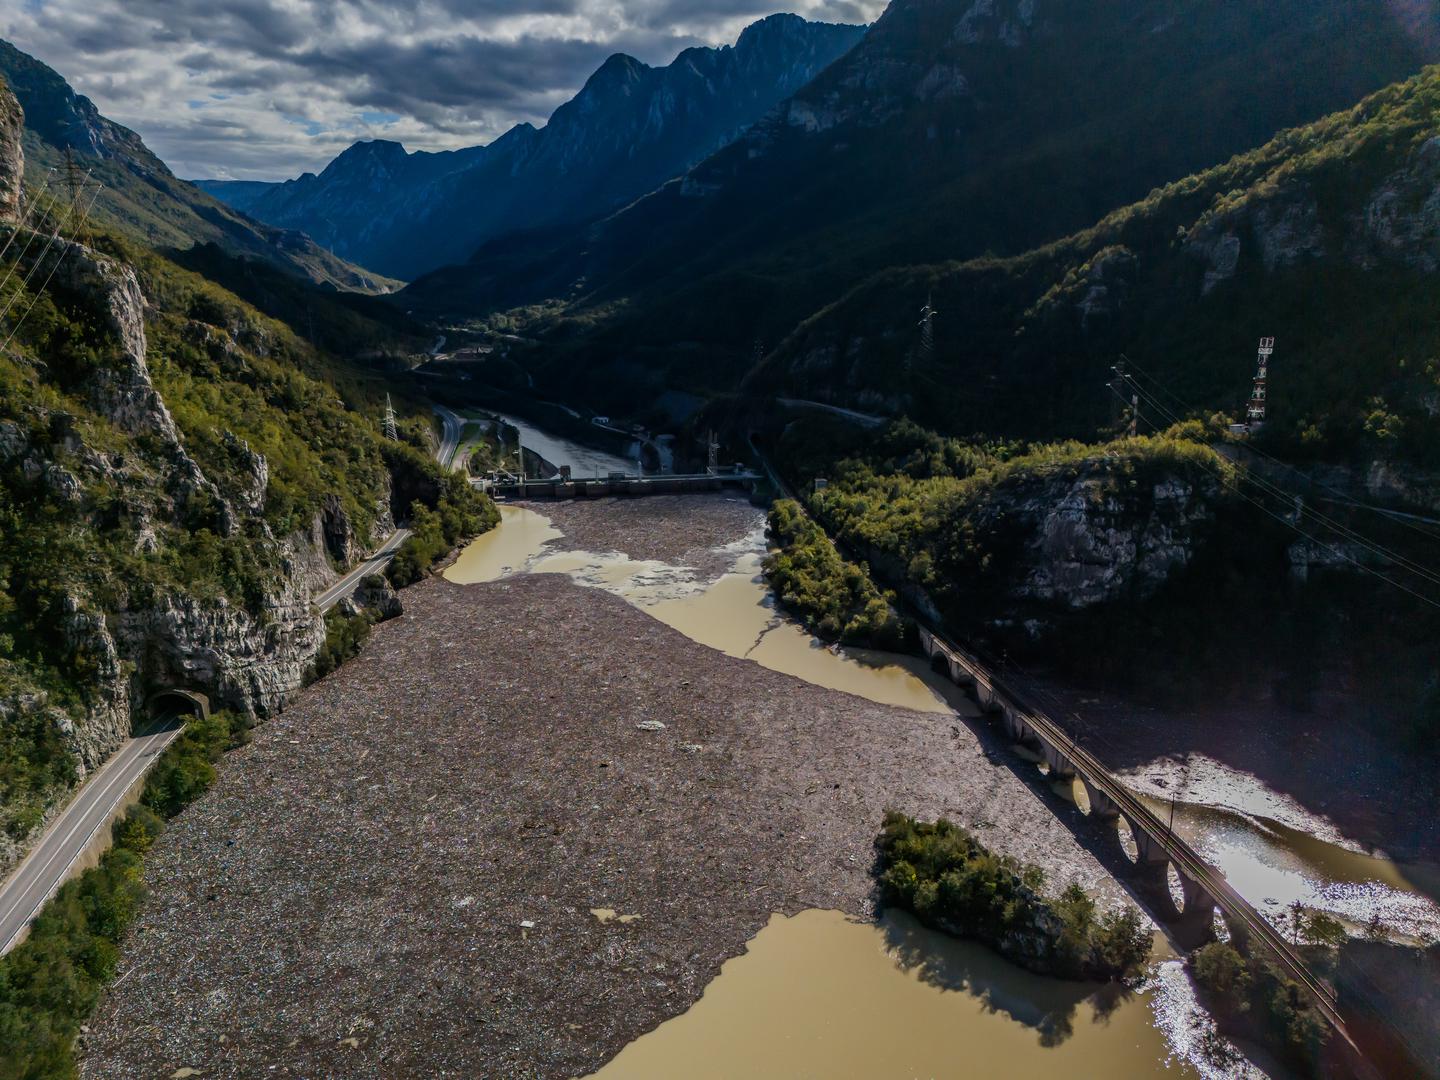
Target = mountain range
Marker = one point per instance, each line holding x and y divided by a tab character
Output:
954	129
141	196
629	129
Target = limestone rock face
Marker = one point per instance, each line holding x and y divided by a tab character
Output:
255	471
1094	541
1398	224
12	157
1401	222
106	720
249	663
338	530
376	594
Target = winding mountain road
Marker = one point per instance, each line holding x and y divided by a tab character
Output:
49	862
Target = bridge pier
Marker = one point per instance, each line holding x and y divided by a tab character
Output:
986	697
1061	767
1102	807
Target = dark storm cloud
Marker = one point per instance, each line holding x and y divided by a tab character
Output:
267	88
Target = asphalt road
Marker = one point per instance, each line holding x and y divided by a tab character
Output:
41	872
449	443
372	565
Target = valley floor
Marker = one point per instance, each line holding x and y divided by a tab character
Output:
396	877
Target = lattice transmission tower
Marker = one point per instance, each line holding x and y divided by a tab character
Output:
1255	412
391	431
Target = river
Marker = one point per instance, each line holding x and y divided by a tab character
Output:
889	981
583	460
1270	848
820	994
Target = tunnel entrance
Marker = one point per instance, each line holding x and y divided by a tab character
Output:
174	703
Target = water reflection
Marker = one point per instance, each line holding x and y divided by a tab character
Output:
823	995
1277	853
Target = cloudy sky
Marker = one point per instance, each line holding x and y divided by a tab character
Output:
265	89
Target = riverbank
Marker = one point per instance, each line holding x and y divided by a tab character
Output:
398	875
1334	767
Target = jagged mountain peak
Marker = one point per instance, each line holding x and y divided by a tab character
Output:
628	130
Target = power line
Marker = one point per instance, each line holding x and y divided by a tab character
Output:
1426	574
30	239
1251	448
39	262
46	284
1345	530
20	224
1348	533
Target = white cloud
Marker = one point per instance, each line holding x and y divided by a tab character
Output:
264	89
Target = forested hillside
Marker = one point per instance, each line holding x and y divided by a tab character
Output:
178	475
1326	238
955	128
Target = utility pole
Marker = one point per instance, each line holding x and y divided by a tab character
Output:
391	431
1255	412
712	465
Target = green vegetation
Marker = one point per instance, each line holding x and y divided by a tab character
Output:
951	516
35	763
961	519
345	635
1249	993
835	599
459	513
52	980
187	769
1026	342
97	520
951	881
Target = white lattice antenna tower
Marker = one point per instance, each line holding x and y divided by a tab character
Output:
1255	412
391	432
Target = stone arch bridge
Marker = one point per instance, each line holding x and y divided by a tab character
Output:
1158	849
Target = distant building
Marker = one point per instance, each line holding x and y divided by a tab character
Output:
820	484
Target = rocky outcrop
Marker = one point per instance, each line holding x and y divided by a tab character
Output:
12	157
1397	224
242	661
375	596
254	473
1093	539
106	720
1401	220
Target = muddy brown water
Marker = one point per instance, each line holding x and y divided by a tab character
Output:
821	995
734	614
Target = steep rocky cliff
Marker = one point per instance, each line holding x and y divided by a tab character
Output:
12	156
173	491
1094	539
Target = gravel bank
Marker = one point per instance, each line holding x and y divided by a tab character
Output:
352	898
